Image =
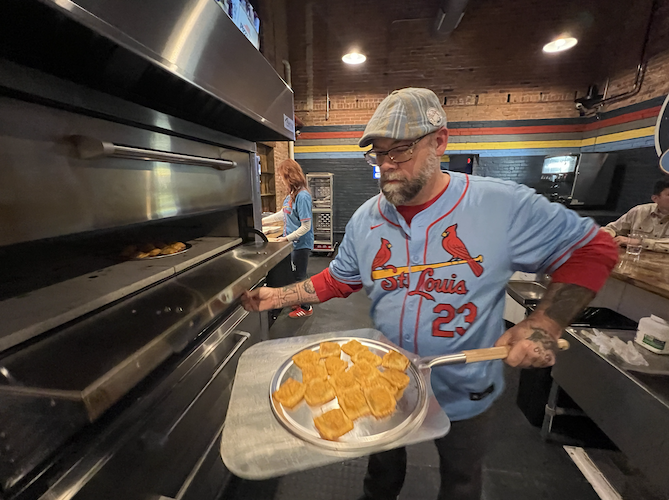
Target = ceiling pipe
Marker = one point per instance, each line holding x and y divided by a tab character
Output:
640	69
449	16
287	73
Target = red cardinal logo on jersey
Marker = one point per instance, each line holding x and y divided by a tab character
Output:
454	245
383	256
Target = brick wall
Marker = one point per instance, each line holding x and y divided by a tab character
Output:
274	46
490	68
622	71
354	183
273	32
280	154
522	169
639	174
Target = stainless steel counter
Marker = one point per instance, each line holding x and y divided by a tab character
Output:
631	408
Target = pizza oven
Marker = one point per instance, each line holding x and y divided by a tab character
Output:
129	202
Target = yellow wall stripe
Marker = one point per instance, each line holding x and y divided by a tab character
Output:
630	134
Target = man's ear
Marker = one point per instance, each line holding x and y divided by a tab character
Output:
442	140
654	198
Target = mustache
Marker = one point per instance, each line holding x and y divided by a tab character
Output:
392	176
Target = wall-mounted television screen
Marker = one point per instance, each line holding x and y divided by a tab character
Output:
559	164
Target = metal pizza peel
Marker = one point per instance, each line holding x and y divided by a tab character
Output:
261	439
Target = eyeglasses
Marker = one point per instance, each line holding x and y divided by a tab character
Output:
399	154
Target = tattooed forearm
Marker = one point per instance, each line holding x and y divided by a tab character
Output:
299	293
564	301
546	346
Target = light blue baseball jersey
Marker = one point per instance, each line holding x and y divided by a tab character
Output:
293	217
438	286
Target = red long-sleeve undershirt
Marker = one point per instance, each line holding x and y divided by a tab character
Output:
588	267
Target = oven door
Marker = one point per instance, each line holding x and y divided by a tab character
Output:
171	451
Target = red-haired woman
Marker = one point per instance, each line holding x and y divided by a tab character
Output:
296	216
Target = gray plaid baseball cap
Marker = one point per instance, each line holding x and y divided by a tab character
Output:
404	115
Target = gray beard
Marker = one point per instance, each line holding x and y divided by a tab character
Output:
407	189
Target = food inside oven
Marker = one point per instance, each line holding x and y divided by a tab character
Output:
154	250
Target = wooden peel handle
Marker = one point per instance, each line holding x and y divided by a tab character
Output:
501	352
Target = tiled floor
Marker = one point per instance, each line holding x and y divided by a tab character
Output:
518	466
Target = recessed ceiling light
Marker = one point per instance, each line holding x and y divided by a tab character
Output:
354	58
560	44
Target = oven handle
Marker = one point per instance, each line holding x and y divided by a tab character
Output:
91	148
244	337
196	468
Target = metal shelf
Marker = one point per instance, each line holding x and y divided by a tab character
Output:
321	186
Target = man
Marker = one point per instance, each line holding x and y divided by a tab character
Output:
650	218
434	252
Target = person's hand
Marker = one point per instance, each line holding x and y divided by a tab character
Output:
533	343
280	239
621	241
260	299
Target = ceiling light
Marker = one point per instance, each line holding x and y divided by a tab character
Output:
354	58
560	44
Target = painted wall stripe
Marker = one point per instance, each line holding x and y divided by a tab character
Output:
577	143
588	128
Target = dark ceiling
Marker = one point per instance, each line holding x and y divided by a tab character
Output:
498	44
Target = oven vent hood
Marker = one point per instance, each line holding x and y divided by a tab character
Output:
184	58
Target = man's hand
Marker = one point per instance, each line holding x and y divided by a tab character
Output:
260	299
533	343
621	241
280	239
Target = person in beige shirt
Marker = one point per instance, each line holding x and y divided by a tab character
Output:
650	218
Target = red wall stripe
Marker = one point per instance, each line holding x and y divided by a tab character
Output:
331	135
629	117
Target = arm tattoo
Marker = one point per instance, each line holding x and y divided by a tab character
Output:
545	347
564	301
299	293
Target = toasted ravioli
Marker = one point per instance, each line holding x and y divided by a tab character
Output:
395	360
381	401
304	358
318	392
290	393
343	381
329	349
352	347
313	372
380	381
397	378
366	379
333	424
335	365
367	357
353	403
178	246
362	370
